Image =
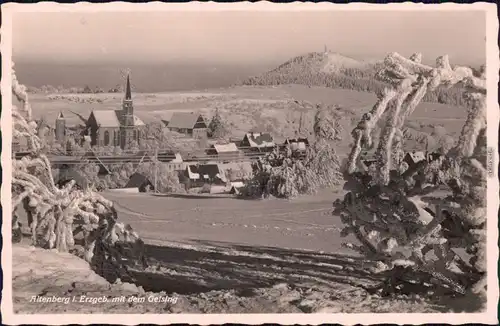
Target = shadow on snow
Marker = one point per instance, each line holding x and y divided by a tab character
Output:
227	266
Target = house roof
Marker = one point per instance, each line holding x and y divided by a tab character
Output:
164	116
136	180
106	118
417	156
296	140
183	120
204	170
297	144
257	139
237	184
226	148
434	156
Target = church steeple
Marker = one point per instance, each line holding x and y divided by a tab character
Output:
128	92
127	130
128	106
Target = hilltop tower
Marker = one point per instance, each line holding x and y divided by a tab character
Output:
128	130
60	128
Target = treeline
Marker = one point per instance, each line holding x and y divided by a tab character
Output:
49	89
349	78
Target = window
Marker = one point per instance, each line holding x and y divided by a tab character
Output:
115	138
106	138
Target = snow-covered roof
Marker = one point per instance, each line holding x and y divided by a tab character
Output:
164	116
417	156
206	170
178	158
106	118
183	120
226	148
237	184
257	139
111	118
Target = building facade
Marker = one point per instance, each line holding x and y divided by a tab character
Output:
116	127
188	123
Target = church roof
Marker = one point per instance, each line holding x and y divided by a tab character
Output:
110	118
106	118
183	120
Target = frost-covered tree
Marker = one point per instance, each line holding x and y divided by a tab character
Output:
284	175
327	123
394	213
166	179
321	157
217	127
55	214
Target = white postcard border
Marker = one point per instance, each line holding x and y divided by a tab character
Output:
488	317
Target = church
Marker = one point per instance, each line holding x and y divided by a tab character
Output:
116	127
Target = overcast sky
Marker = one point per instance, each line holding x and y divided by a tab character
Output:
245	37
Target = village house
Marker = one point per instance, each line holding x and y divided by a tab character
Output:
236	141
189	124
226	152
140	182
116	127
199	175
367	163
298	146
173	160
47	132
412	158
434	156
257	142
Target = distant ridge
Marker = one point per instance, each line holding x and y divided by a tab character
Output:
326	62
331	69
315	69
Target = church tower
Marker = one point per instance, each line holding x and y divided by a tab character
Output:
128	106
60	128
128	130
